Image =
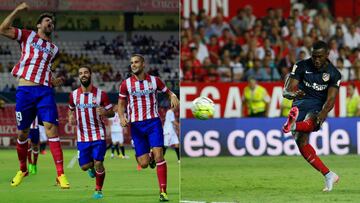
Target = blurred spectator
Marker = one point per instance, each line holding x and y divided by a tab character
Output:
346	74
352	39
2	104
352	102
256	99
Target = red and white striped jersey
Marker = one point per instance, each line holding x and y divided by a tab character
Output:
36	57
35	124
141	96
90	125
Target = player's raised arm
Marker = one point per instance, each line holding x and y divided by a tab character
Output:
5	28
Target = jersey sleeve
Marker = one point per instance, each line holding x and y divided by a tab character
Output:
161	86
105	102
21	35
297	71
335	79
71	102
123	92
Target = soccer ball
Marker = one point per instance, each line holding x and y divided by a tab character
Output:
203	108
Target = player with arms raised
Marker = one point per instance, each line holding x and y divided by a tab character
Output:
313	84
139	93
34	95
90	104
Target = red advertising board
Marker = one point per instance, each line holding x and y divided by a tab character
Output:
227	98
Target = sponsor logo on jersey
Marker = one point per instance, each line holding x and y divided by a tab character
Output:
315	86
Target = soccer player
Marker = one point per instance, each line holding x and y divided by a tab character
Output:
90	105
117	135
34	95
33	151
313	85
139	93
170	136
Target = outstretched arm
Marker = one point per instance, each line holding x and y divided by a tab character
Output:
5	28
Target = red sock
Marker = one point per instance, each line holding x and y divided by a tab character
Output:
305	126
161	170
22	150
56	151
29	155
100	176
309	154
35	154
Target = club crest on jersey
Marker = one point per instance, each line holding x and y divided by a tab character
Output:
150	86
94	100
326	77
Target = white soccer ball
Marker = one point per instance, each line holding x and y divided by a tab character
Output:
203	108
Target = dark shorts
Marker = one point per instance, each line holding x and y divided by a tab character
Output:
306	106
90	151
32	101
146	135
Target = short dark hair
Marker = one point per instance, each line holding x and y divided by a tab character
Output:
320	45
87	66
142	58
45	15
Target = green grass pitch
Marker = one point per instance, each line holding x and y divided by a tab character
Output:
123	183
267	179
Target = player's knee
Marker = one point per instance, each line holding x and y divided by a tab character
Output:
23	134
98	165
85	167
144	165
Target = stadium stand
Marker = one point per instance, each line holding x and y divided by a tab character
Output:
245	45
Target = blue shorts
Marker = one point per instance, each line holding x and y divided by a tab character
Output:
306	106
146	135
32	101
90	151
34	136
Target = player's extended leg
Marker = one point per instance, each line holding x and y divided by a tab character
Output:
22	150
306	126
98	153
100	177
56	151
161	170
309	154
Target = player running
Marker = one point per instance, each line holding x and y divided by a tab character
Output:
117	135
139	93
318	84
171	126
90	104
34	95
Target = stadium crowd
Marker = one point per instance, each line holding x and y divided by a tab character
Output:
66	64
245	45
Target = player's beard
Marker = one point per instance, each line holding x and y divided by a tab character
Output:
138	71
86	83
